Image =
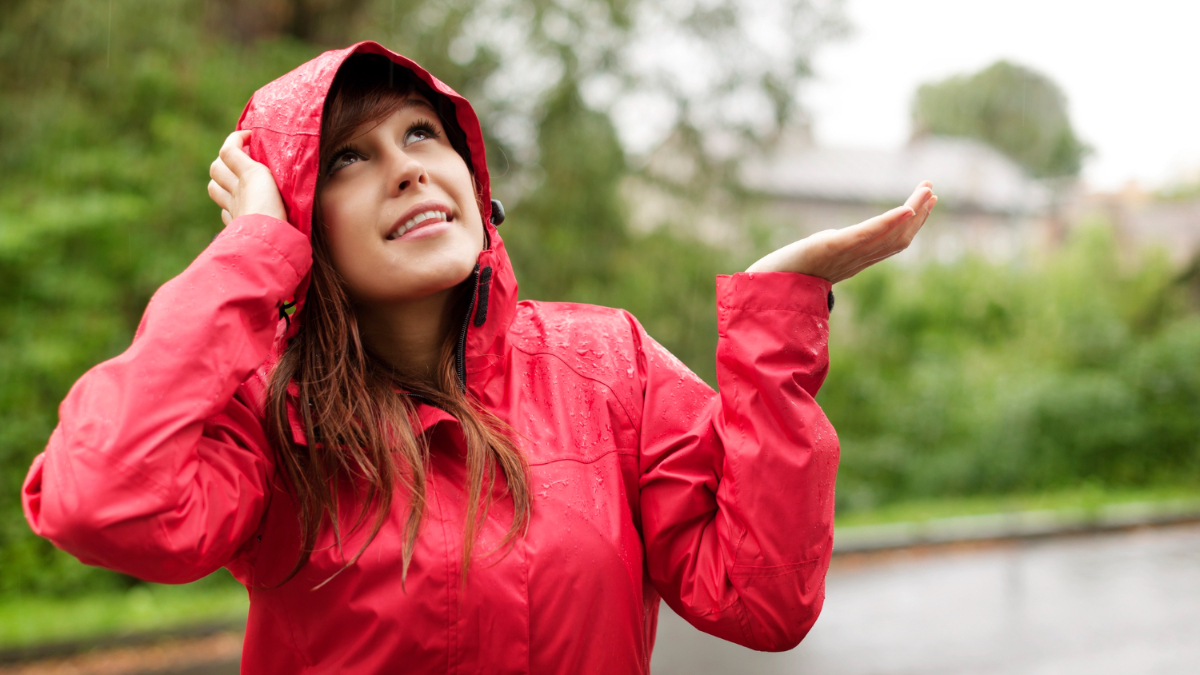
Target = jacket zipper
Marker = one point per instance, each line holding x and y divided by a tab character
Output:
460	352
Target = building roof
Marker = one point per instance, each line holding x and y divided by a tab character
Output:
966	174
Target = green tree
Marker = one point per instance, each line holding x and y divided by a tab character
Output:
1014	109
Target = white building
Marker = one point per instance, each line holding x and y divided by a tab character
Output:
987	204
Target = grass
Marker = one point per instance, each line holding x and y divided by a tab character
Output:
31	620
1087	498
36	620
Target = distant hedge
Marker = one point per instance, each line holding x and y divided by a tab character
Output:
969	378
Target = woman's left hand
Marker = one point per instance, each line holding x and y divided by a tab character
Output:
840	254
240	185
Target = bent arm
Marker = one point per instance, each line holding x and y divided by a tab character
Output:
737	488
158	467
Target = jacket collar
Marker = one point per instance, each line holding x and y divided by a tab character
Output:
286	118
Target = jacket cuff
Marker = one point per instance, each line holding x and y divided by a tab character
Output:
789	291
281	236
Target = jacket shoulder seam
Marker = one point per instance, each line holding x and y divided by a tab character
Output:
578	460
632	421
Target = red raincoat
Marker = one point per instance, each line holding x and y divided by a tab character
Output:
646	483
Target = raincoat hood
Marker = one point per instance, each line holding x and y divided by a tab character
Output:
285	116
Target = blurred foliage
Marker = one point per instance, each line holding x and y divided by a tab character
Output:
1087	499
110	117
966	378
945	380
36	620
1014	109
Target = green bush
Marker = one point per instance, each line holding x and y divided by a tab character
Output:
970	378
107	143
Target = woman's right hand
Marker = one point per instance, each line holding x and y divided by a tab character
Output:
240	185
837	255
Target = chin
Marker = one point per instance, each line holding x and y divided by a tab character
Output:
444	279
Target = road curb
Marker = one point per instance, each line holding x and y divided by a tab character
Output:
1014	525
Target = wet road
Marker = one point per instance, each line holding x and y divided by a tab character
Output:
1125	603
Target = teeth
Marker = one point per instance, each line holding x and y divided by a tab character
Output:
417	220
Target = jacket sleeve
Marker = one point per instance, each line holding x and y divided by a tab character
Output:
736	488
158	468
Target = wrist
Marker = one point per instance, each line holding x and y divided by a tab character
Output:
806	256
771	263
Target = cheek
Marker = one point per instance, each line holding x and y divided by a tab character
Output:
337	216
468	201
333	241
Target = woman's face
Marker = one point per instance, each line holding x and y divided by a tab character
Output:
399	208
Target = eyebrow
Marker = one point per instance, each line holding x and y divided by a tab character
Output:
404	105
417	102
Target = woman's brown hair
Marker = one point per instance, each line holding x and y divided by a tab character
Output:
358	412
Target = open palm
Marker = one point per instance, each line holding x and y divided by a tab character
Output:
836	255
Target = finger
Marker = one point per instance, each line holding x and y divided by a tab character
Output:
226	217
903	236
922	215
897	239
927	208
919	196
236	159
233	154
871	238
910	229
889	227
219	195
237	139
224	177
873	229
893	239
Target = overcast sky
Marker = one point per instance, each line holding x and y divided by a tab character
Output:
1130	70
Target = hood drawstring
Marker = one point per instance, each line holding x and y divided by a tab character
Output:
284	314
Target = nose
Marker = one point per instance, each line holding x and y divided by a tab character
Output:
406	172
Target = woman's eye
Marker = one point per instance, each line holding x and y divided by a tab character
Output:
342	160
419	132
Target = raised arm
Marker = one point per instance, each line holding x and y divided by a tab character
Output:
737	488
156	468
159	465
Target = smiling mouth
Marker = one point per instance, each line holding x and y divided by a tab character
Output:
424	218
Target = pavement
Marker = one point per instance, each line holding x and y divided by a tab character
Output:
1120	602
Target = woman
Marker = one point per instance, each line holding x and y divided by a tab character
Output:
411	471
